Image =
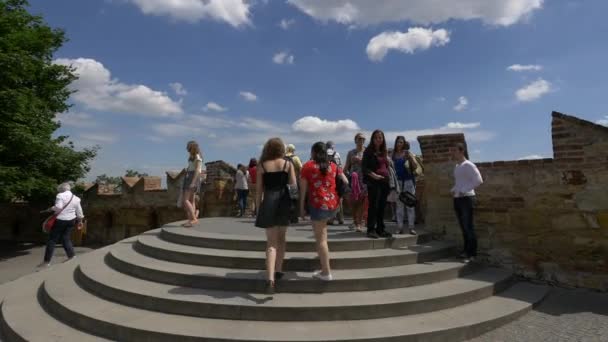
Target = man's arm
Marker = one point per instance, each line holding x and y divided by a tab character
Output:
59	204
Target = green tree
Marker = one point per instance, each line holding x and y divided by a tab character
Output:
133	173
105	179
32	91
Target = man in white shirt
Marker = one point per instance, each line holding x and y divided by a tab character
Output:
466	179
242	188
69	214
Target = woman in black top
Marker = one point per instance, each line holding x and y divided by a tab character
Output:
274	204
375	167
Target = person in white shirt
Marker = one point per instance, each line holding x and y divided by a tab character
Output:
466	179
242	188
69	215
334	156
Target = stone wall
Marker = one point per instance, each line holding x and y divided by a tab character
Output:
141	205
546	219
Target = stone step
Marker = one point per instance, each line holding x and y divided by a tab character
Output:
125	259
22	318
152	245
67	301
98	278
344	241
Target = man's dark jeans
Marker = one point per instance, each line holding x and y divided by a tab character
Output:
242	200
464	212
62	231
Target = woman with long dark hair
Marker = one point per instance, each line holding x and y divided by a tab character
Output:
405	168
274	203
318	179
375	167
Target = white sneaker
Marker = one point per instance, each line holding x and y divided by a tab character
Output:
469	260
44	264
70	259
318	275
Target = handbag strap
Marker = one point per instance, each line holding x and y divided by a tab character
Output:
65	206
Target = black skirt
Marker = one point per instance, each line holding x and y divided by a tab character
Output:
274	210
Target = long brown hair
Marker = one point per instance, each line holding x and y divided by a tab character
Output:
405	144
193	148
273	149
371	148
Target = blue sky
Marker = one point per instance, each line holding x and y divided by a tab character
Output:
230	74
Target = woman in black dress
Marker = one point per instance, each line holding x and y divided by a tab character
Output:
274	204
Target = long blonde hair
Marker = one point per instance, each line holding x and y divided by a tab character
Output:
194	150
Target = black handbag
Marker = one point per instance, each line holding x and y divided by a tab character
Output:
408	198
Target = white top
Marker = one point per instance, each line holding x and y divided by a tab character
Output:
192	164
331	152
72	211
467	178
241	180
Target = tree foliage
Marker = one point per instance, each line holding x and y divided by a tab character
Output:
33	91
133	173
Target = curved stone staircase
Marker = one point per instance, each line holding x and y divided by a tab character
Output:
176	284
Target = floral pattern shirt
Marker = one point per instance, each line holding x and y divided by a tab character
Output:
321	188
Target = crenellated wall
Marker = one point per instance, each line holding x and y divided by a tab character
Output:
141	205
546	219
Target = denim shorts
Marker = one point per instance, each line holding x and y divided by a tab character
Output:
317	214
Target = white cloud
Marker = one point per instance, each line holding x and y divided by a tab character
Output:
603	122
76	119
533	91
529	67
286	23
97	90
314	124
416	38
532	156
460	125
248	96
283	57
178	88
366	12
233	12
462	104
214	107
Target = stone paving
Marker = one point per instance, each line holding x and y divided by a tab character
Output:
566	315
17	260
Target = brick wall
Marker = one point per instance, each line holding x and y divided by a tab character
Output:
545	219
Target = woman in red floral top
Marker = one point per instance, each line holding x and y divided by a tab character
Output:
318	179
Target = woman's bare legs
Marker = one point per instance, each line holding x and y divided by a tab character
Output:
281	247
358	207
273	237
320	228
189	207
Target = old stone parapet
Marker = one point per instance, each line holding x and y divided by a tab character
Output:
547	218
